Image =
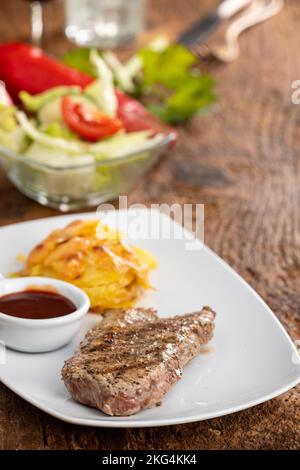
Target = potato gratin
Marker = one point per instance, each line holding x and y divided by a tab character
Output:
94	257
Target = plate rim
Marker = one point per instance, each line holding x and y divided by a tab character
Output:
123	422
154	422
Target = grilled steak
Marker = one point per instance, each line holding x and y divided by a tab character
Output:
121	318
132	358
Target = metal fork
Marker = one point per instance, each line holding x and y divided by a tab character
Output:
227	49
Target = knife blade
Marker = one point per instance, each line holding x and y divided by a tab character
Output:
205	27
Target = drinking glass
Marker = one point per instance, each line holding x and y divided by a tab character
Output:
103	23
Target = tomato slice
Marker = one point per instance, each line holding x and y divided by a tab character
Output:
88	123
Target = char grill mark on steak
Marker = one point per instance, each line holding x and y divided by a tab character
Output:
132	358
121	317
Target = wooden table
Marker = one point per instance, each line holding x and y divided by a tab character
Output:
243	162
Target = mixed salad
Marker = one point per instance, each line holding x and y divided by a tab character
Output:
80	109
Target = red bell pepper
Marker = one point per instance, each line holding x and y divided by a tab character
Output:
23	67
27	68
136	117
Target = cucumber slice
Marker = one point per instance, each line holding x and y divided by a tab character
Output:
51	111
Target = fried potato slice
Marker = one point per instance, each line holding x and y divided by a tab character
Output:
95	258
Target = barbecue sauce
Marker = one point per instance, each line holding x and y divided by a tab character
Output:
36	304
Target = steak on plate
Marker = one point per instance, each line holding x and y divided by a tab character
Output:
132	358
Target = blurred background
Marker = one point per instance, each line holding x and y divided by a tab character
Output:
117	21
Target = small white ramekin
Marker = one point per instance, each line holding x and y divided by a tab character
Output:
27	335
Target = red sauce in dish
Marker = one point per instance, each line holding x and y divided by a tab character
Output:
36	304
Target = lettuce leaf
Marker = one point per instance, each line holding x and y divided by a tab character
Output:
102	90
7	118
121	74
57	143
15	140
12	135
59	159
122	144
57	129
36	102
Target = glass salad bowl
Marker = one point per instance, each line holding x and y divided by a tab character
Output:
81	184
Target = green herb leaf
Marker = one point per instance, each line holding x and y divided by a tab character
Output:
168	66
79	59
180	90
195	94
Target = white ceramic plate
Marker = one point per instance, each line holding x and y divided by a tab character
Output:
251	359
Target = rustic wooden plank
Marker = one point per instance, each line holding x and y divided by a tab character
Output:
20	424
243	162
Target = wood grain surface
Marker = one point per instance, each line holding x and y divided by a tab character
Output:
243	161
